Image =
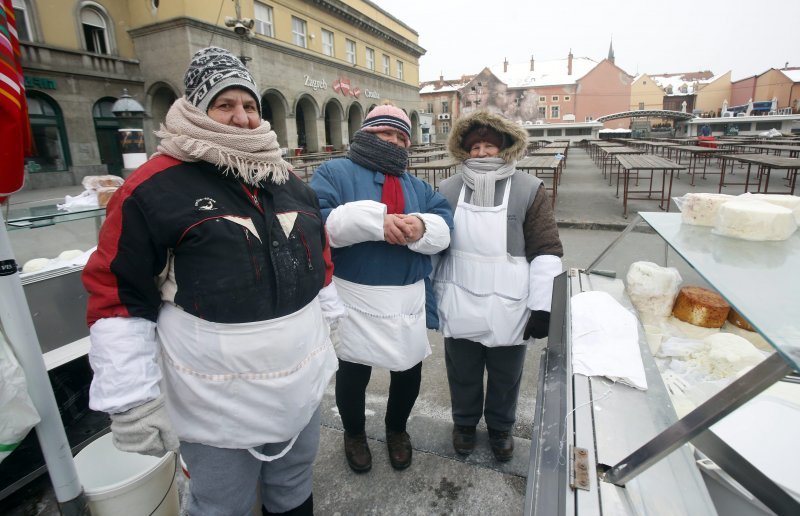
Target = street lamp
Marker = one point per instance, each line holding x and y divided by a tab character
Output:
242	27
131	136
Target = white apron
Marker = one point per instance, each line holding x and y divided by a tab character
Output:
481	290
244	385
385	325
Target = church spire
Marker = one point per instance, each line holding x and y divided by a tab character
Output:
611	50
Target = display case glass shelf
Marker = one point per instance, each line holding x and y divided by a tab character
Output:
761	280
34	216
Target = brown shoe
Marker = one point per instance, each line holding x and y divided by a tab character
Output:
502	444
357	452
399	444
463	439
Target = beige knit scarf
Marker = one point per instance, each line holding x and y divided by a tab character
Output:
252	155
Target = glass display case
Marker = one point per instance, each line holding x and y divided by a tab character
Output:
600	447
57	302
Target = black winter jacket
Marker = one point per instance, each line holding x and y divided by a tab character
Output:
188	234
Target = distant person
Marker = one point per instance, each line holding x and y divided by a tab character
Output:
705	130
383	224
209	301
494	284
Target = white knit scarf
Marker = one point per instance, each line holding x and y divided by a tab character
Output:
481	174
252	155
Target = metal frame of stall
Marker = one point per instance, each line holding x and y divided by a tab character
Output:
657	473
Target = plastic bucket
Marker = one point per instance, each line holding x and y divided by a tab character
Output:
117	482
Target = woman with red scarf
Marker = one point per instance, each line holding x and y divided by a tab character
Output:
383	225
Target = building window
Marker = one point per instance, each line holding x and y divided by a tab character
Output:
95	30
445	106
554	98
49	135
350	50
542	99
445	127
327	42
23	22
299	32
430	107
566	98
641	106
371	59
264	20
386	64
542	111
554	112
400	70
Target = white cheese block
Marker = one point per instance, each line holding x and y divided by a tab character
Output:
69	254
700	209
730	354
754	220
652	288
787	201
35	265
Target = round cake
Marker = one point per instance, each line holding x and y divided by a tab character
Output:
700	307
736	319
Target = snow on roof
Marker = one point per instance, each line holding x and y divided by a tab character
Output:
794	75
545	73
682	83
446	86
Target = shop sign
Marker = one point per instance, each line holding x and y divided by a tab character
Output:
315	84
343	87
39	82
372	94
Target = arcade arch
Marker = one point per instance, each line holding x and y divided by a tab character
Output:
334	116
306	115
274	109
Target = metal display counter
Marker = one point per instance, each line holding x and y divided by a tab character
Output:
604	448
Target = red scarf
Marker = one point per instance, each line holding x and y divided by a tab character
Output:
392	195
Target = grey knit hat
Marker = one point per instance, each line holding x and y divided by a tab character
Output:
212	70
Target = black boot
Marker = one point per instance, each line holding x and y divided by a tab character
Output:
304	509
502	444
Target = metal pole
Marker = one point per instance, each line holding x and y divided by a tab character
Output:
15	318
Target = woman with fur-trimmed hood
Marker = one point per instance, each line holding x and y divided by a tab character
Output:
494	284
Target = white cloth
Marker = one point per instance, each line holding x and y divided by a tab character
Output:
355	222
482	291
243	385
436	236
543	270
605	339
385	325
124	358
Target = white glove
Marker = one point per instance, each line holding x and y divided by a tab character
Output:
145	429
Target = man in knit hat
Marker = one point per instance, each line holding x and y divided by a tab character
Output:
210	299
383	225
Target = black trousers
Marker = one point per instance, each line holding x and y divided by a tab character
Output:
466	362
351	389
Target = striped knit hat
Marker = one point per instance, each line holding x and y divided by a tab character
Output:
213	70
385	117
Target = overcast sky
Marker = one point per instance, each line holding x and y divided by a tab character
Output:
650	36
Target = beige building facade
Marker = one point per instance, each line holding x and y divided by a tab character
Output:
321	65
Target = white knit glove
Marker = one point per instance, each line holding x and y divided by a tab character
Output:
145	429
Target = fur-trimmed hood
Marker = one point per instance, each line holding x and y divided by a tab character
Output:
516	134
